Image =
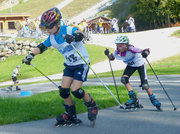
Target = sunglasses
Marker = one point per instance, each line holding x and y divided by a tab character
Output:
50	27
47	27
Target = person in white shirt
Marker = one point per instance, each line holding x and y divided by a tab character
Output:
14	78
76	70
134	58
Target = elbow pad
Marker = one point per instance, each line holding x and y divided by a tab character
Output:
78	36
42	48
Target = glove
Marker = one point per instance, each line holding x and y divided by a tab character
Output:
112	57
106	52
78	37
28	59
69	38
144	53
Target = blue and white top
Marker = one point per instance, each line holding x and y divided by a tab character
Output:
132	57
72	58
15	72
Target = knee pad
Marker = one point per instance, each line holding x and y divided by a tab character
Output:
64	92
79	93
145	86
125	80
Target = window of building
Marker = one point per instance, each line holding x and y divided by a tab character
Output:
11	25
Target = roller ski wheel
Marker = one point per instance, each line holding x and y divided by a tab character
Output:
64	123
92	111
133	107
68	118
18	89
159	108
133	103
92	123
155	102
10	88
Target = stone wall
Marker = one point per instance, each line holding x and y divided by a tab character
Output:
12	47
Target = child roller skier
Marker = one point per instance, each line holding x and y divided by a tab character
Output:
133	57
75	72
14	78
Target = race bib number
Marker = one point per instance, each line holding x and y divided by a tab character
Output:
131	63
71	58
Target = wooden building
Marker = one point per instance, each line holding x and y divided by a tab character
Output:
100	22
7	22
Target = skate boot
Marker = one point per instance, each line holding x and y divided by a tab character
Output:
92	111
68	118
133	102
10	88
17	88
155	102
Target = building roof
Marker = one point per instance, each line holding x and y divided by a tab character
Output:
14	15
94	20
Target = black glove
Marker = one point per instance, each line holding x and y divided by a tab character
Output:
28	59
69	38
106	52
144	53
78	37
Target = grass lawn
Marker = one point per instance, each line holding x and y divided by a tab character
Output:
50	62
36	7
49	104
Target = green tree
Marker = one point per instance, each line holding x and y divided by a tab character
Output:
155	13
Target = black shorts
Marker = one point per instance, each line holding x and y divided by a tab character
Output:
14	78
78	72
141	70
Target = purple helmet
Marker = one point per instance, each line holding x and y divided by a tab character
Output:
50	17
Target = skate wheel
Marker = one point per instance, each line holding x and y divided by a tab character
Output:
121	107
56	125
76	125
92	123
141	106
77	122
159	109
60	125
69	125
127	109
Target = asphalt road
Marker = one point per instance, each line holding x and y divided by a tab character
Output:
114	120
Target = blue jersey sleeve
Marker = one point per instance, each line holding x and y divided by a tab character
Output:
74	29
47	42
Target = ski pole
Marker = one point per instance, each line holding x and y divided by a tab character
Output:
161	84
114	80
45	75
97	75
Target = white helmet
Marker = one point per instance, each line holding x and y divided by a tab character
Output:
121	39
18	66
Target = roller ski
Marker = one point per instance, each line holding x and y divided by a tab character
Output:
92	111
68	118
18	89
10	88
155	102
133	103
